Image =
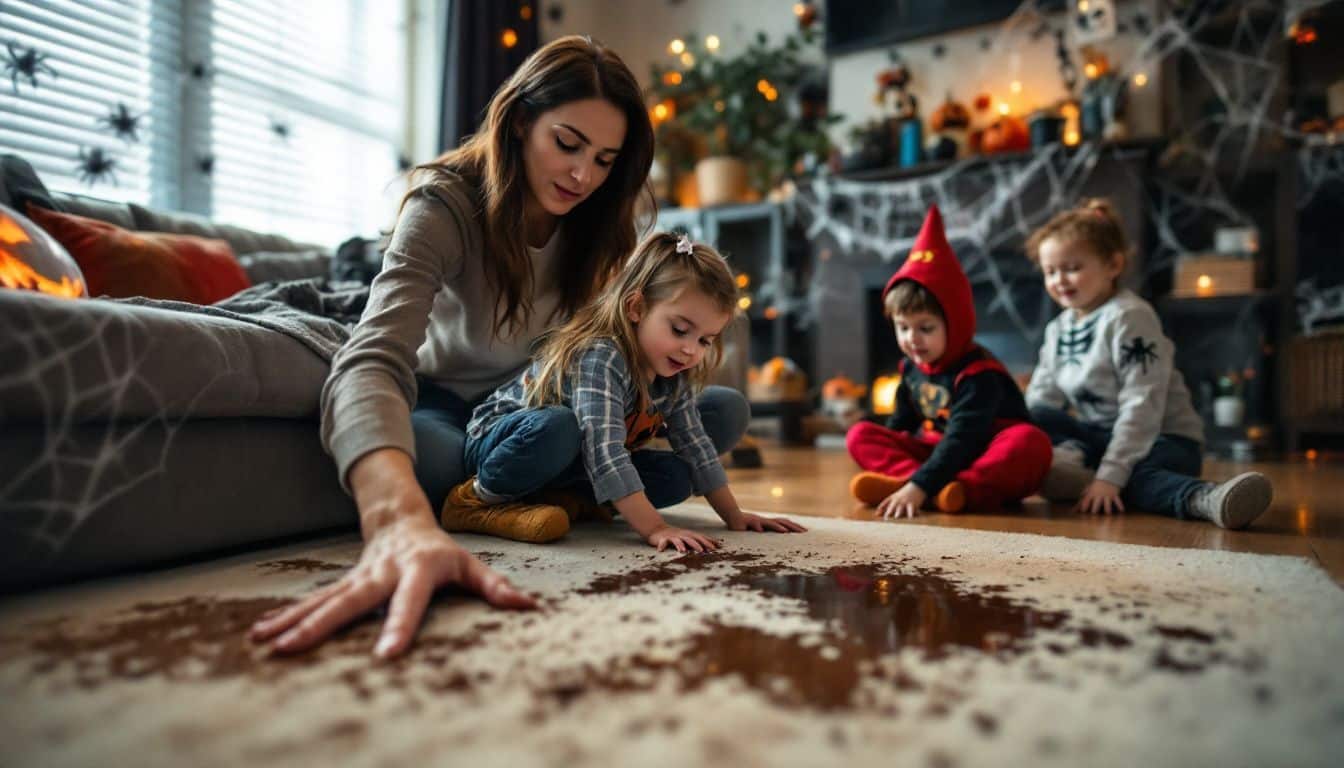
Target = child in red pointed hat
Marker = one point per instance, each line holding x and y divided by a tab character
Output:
960	435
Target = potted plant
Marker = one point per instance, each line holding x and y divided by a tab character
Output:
745	121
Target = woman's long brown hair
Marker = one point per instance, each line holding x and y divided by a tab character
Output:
599	232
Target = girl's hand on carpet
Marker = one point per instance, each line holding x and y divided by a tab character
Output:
761	524
907	501
1101	498
683	539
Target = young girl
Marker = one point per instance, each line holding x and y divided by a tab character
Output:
600	386
1135	439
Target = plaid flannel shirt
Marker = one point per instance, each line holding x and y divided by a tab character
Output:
600	390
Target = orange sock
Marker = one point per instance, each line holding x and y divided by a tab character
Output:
872	487
952	498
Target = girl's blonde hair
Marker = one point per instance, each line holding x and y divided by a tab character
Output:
654	273
1093	223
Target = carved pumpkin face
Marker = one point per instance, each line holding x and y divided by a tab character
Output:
950	115
31	259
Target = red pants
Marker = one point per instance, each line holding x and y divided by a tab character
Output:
1011	468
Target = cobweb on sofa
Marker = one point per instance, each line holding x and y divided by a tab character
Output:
80	466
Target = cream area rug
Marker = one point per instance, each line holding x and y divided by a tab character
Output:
856	643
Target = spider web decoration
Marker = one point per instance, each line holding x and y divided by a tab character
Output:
81	466
983	210
1317	169
1319	306
982	202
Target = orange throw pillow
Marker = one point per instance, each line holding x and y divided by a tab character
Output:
120	263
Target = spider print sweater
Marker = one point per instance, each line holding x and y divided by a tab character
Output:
1115	369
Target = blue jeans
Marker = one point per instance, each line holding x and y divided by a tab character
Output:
1161	482
440	418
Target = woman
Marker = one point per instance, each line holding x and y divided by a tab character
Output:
497	241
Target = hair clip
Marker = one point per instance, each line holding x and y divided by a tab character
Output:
684	244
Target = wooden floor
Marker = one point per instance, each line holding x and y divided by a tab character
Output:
1306	519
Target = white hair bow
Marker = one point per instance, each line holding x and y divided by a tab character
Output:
684	244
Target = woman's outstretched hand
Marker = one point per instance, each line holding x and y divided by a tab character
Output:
403	564
406	557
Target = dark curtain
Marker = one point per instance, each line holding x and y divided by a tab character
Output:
476	61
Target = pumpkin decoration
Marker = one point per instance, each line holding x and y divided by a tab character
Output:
31	259
950	115
779	379
842	399
842	388
950	122
1007	134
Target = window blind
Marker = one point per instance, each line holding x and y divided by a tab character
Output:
306	114
285	117
95	61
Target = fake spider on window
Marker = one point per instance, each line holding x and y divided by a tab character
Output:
122	122
95	165
27	63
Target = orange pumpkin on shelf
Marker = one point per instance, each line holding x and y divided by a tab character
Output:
1007	134
950	114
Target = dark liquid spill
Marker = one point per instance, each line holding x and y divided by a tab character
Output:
207	639
888	612
661	571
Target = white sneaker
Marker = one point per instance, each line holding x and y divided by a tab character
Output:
1234	503
1068	476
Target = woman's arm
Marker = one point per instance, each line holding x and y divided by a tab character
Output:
366	427
366	402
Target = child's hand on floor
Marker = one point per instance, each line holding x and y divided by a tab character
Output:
682	539
907	501
750	522
1101	498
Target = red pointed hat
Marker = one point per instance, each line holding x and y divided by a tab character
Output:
932	264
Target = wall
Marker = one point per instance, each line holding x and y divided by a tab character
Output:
641	29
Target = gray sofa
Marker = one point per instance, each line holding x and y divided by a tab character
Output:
139	433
